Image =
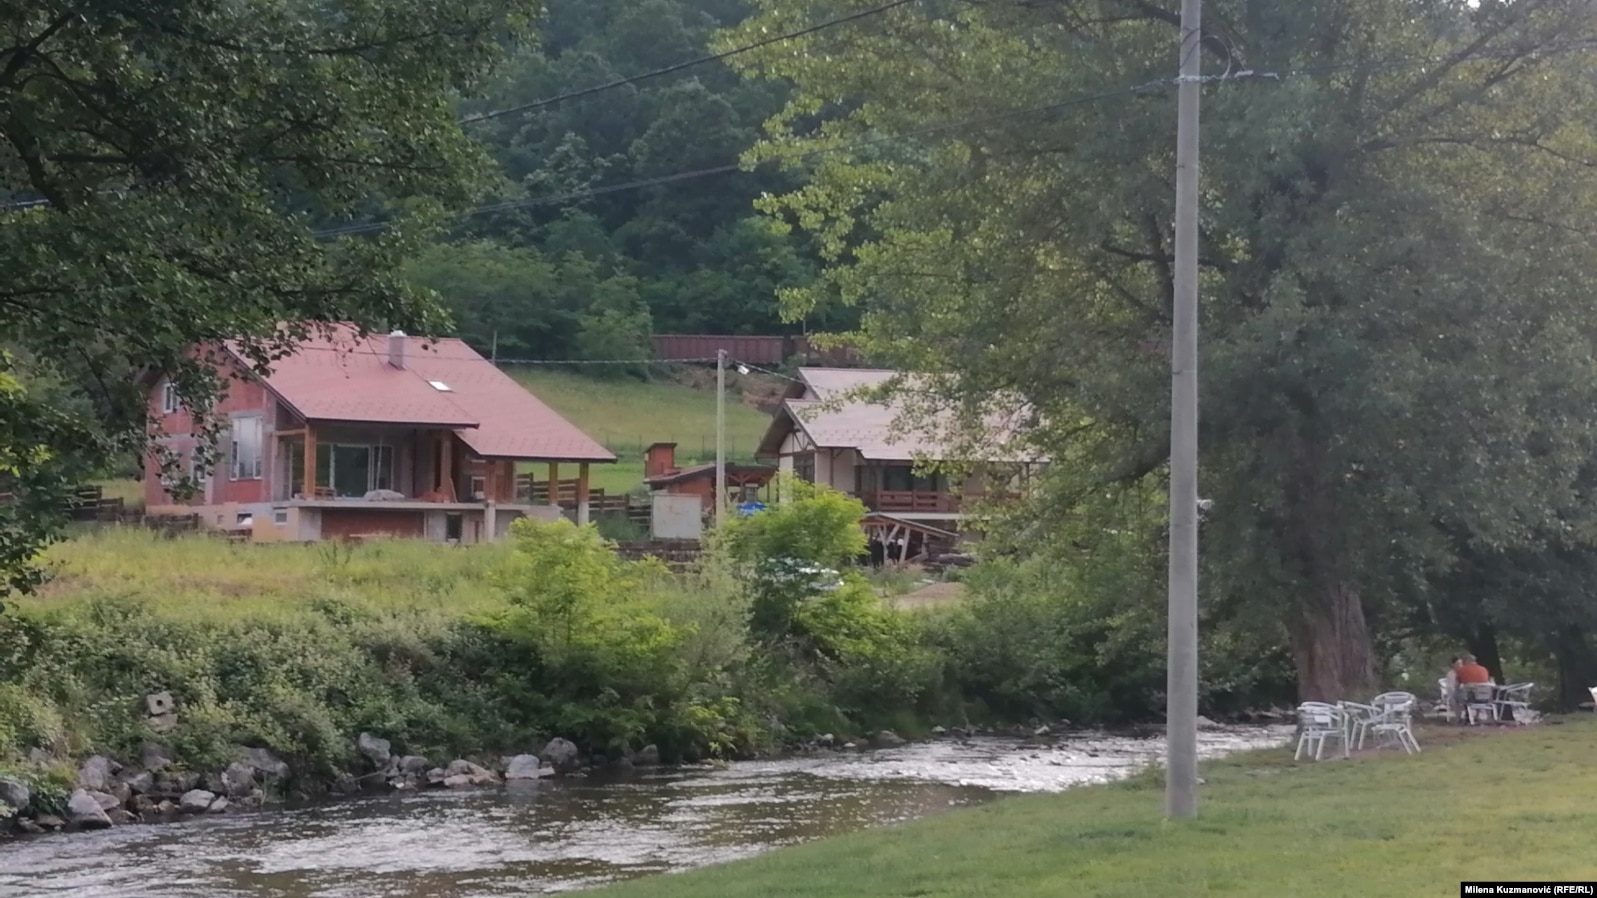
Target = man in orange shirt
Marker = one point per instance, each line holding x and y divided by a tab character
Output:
1470	673
1472	677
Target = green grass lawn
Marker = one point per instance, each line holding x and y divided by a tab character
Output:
627	415
1510	804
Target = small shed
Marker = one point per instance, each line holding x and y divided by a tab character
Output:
744	481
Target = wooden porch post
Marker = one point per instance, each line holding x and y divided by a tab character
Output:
582	494
446	467
507	481
554	484
308	488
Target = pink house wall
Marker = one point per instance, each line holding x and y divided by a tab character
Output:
244	395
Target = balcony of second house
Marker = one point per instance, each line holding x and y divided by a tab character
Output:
898	489
911	501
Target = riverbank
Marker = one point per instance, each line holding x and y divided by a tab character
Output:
1511	804
278	658
559	835
216	652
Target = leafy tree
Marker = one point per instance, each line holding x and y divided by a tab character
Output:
606	666
167	163
809	606
812	524
699	262
1395	270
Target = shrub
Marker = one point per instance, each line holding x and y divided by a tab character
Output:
832	628
609	667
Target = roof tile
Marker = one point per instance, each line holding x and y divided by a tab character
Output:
345	377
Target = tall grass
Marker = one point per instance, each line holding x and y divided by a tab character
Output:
443	650
199	576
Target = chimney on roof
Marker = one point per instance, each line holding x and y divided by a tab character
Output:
659	459
396	349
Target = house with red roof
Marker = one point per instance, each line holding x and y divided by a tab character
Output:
354	436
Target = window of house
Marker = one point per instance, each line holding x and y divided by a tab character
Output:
479	486
248	434
353	470
902	478
898	478
804	467
382	467
169	399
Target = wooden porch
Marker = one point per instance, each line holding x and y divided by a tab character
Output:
331	461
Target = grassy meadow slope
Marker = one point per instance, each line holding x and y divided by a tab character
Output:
627	415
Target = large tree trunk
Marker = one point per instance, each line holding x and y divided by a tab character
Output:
1331	645
1482	644
1577	668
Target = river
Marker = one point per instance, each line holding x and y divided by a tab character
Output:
539	838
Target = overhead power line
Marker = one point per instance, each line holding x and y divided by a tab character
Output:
572	196
1387	64
692	63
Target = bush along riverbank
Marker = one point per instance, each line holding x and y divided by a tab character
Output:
221	655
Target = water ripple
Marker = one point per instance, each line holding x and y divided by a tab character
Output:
548	838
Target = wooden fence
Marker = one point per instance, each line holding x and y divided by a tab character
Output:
88	503
536	492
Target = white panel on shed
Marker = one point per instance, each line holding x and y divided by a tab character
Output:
677	517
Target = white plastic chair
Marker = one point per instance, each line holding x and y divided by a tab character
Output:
1357	717
1394	720
1515	699
1319	723
1593	690
1444	705
1479	702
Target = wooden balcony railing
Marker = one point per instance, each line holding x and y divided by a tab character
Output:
923	502
911	501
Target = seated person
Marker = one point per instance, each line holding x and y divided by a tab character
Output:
1470	672
1450	688
1474	681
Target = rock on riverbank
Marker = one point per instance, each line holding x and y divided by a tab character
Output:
106	792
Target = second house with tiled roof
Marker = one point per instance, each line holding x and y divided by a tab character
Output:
359	436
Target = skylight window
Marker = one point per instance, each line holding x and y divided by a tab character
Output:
440	386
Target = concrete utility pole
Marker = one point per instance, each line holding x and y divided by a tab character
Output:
720	435
1181	689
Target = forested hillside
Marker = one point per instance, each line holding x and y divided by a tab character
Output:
577	263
